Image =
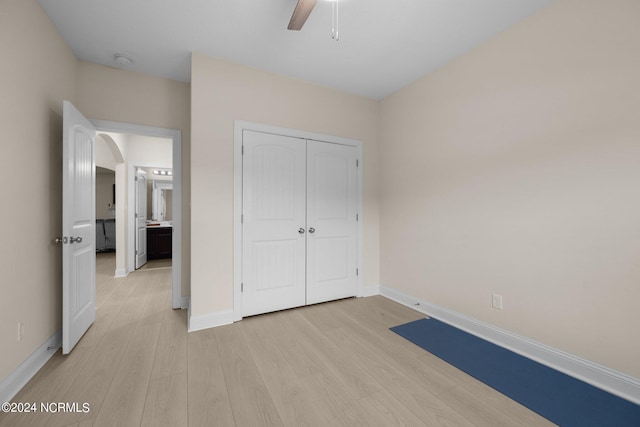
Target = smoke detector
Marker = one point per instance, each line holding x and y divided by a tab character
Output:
122	60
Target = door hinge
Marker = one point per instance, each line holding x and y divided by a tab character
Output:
357	272
242	150
135	178
357	217
241	218
241	287
357	163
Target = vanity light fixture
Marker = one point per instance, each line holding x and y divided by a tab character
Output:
162	172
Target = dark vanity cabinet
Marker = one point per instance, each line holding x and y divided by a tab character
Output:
159	242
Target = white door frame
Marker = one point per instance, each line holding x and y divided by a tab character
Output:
239	127
176	136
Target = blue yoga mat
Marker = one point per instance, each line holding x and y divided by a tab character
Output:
558	397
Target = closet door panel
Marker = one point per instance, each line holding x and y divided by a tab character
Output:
331	221
273	265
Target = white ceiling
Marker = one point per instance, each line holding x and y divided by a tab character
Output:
384	44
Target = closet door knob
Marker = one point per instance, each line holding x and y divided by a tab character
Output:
312	230
301	230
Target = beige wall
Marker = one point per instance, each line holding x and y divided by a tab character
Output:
104	156
149	150
105	178
514	170
223	92
36	75
117	95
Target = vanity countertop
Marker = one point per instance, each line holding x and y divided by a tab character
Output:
159	224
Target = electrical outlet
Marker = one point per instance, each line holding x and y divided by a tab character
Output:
496	301
20	331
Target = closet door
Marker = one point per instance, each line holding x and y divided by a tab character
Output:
274	227
331	221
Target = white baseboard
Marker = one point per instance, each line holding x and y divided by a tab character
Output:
614	382
197	323
185	302
27	369
121	272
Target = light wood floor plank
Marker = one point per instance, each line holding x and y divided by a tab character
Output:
410	360
338	402
250	399
389	410
295	351
340	363
475	410
166	403
208	398
432	370
171	354
85	423
399	381
281	376
124	402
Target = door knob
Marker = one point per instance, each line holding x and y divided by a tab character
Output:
301	230
312	230
75	240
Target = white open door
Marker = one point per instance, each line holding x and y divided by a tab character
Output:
274	228
332	206
78	227
141	217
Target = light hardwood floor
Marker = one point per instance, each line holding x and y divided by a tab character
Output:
330	364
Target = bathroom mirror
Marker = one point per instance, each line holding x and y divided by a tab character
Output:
161	202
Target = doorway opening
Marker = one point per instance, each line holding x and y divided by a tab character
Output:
152	218
151	157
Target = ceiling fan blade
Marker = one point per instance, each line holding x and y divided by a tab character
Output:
300	14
